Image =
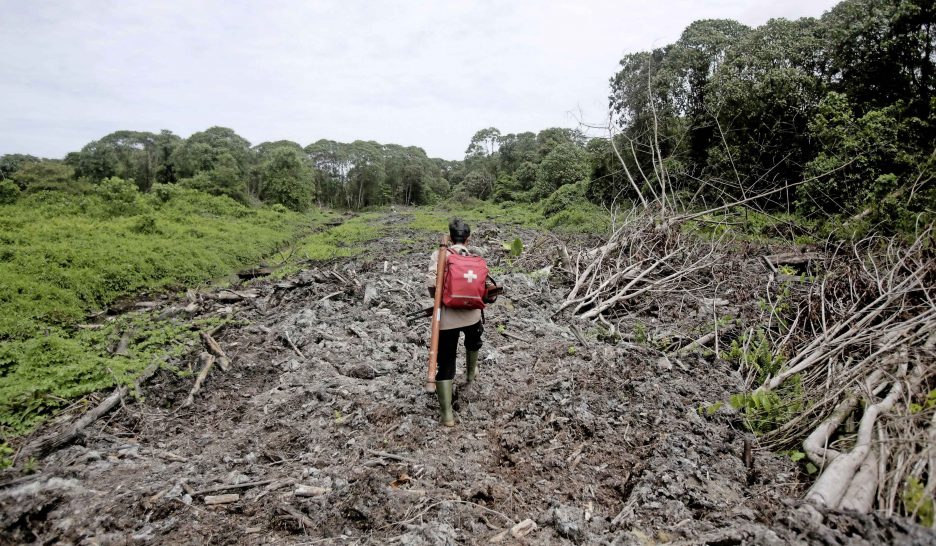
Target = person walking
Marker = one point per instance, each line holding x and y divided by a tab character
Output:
456	321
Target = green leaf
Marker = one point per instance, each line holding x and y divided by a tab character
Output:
796	456
516	248
811	469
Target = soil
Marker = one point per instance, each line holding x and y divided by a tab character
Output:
593	440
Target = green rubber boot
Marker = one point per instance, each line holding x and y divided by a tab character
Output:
471	372
444	392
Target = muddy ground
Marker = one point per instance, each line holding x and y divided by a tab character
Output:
593	440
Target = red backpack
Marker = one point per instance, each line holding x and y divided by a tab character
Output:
464	284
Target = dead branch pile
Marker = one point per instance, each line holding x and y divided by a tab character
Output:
861	342
640	257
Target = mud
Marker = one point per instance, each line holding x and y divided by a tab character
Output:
600	442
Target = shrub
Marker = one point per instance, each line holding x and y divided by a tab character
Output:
44	175
9	192
120	197
583	218
146	225
567	197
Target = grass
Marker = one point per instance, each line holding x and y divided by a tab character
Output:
64	256
583	218
345	240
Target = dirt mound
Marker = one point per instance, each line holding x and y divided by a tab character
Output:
322	430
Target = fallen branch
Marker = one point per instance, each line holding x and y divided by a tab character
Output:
831	487
815	444
222	499
391	456
123	347
58	440
292	345
515	336
208	361
704	340
303	519
228	487
215	349
255	272
774	260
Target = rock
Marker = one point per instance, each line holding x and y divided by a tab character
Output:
569	522
359	371
370	294
235	477
768	538
92	456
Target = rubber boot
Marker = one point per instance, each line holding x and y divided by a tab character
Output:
471	369
444	392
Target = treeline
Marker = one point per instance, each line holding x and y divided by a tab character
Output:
844	102
832	117
825	118
220	162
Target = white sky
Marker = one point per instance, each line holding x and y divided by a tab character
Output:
427	74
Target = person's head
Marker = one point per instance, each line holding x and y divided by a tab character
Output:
459	231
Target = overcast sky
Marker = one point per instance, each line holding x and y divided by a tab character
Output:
424	73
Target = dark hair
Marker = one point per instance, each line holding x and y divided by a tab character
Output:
459	230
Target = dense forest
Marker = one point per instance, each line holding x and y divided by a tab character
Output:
825	117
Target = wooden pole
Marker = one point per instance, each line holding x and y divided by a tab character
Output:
436	316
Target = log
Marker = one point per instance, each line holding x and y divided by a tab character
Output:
310	491
215	349
222	499
774	260
58	440
815	444
255	272
123	347
831	487
863	489
208	361
228	297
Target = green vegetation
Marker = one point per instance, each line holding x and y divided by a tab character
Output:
344	240
743	224
844	102
917	501
584	217
755	353
43	374
764	411
65	256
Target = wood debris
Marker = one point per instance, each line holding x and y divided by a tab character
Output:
228	498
